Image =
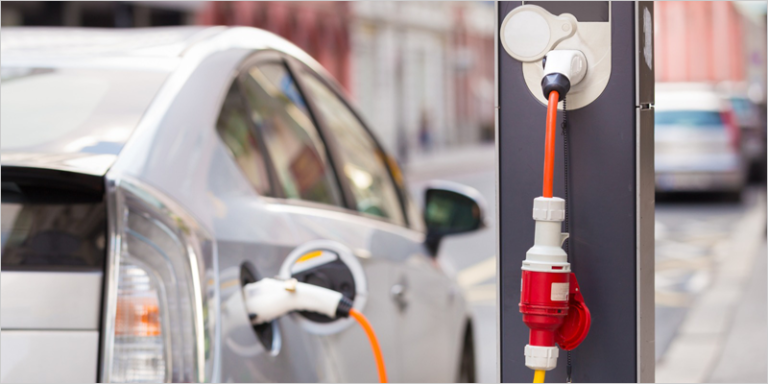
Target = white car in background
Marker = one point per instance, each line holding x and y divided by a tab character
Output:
698	145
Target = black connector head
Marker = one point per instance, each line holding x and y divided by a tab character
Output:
555	82
344	306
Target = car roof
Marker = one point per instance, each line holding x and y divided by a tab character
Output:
688	97
54	42
174	50
151	48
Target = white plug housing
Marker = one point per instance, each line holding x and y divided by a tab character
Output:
269	299
568	62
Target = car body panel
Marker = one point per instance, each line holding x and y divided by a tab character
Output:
44	300
429	322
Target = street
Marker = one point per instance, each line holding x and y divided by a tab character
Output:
695	235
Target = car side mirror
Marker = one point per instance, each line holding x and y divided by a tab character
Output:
451	208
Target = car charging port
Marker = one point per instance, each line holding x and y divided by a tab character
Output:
268	299
332	274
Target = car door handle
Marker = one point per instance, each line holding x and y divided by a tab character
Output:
398	293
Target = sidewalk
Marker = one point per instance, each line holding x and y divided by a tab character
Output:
744	357
723	337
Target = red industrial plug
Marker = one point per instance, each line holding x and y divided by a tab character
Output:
565	322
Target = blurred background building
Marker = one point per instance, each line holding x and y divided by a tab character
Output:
421	72
703	41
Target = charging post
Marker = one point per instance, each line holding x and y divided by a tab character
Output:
610	199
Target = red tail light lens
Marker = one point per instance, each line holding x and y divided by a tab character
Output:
729	120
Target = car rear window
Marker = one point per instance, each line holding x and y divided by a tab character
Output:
73	110
46	228
689	118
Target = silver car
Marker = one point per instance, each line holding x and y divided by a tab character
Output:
148	174
696	141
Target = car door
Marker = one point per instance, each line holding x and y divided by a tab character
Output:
428	307
252	241
316	204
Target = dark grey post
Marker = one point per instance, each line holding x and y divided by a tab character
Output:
612	213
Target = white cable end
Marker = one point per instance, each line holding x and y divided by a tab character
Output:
541	358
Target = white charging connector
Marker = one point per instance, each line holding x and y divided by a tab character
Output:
562	69
268	299
568	62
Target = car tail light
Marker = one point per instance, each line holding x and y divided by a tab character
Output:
162	293
139	353
734	135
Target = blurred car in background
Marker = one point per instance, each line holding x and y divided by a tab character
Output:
697	141
752	127
148	174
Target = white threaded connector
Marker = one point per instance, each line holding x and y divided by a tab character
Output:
541	358
549	209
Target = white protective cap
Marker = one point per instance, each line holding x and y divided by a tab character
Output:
541	358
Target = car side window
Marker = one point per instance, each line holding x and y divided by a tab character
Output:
295	147
363	162
242	142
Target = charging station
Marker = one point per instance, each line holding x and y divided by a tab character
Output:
592	62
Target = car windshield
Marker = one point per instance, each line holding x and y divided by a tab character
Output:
71	110
702	119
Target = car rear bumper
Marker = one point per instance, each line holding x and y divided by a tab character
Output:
49	356
732	181
50	326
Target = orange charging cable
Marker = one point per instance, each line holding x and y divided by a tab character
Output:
549	144
374	343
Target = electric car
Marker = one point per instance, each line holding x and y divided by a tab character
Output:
696	141
148	174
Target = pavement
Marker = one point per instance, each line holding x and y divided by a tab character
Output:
710	291
710	274
743	356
